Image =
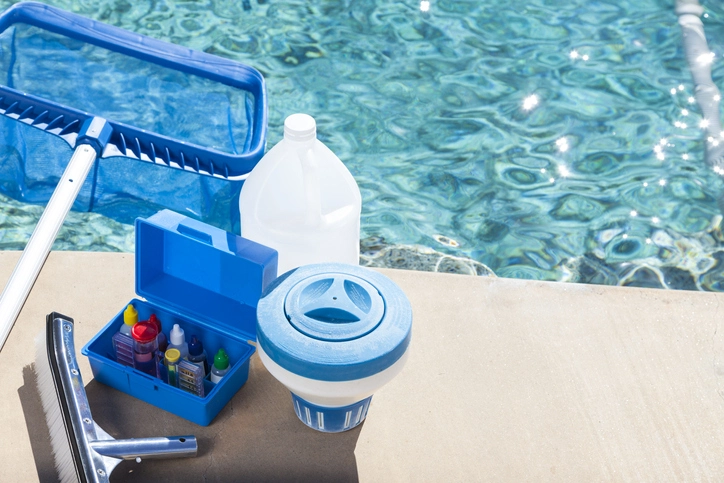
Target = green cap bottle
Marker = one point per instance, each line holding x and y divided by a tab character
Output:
221	366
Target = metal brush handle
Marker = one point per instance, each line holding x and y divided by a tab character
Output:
36	251
132	449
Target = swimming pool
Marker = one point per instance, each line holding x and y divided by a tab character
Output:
539	139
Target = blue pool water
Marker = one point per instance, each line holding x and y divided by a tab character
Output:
537	139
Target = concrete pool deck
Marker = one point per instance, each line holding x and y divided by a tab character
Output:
508	380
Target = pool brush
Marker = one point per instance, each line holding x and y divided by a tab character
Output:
82	450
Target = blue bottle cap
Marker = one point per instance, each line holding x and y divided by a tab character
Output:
334	322
196	348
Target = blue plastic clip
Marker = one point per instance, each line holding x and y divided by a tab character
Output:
95	132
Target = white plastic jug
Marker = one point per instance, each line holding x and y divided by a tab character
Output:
301	200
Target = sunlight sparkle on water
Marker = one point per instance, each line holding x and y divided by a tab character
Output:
530	102
562	144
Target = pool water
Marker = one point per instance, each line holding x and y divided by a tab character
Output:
535	139
81	231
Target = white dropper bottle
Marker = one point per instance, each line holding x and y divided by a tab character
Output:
178	341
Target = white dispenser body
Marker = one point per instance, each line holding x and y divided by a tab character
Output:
331	393
301	200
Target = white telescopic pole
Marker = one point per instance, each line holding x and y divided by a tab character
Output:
36	251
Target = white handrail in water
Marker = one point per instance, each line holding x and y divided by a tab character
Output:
707	95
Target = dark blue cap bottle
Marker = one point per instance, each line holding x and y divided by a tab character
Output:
196	348
197	354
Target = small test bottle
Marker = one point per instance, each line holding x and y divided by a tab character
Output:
197	354
221	366
178	341
171	362
130	318
144	348
161	338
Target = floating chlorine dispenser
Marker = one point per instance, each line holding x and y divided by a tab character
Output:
333	334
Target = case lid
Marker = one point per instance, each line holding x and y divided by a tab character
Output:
202	272
334	322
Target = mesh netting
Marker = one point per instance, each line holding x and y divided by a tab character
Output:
127	90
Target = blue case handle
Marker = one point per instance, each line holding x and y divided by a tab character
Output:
198	235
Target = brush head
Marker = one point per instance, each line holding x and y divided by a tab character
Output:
68	463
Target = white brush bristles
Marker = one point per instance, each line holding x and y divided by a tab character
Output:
59	437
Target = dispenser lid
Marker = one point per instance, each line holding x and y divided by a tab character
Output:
334	322
203	272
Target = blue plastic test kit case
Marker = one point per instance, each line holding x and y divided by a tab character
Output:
209	282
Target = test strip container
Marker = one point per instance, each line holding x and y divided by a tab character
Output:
209	282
